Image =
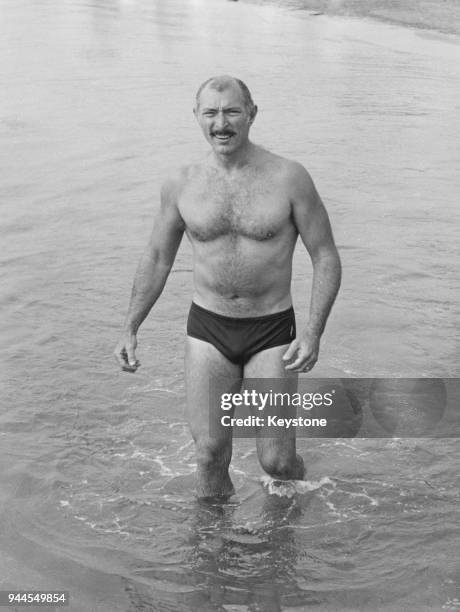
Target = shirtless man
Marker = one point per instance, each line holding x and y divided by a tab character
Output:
242	209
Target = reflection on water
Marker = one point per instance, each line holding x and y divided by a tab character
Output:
253	566
96	490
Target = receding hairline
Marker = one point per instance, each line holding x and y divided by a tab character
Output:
222	82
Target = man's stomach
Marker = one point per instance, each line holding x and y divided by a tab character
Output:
236	285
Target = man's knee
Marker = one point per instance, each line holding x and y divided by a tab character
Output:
281	465
213	453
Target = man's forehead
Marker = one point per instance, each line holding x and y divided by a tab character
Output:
230	95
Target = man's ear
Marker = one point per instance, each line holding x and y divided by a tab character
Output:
253	113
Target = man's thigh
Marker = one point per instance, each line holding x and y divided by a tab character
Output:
269	368
208	374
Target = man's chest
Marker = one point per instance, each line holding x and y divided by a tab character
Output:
256	209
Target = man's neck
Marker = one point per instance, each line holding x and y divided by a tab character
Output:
235	161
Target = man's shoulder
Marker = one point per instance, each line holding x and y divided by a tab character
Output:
179	176
295	180
296	173
176	179
300	182
290	169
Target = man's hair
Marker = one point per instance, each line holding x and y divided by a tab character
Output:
222	82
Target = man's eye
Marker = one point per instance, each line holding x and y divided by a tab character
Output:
209	114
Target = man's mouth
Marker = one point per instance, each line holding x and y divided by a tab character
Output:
223	136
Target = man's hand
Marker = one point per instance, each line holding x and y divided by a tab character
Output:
125	352
307	349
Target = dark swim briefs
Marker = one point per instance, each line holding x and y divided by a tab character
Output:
238	339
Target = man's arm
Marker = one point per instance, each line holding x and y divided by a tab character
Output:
152	272
312	222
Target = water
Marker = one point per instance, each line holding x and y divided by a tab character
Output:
96	485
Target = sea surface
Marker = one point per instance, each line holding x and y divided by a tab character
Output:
96	485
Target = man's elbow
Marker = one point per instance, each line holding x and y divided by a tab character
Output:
327	262
164	264
327	256
158	261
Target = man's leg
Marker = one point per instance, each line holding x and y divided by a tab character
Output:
277	455
213	441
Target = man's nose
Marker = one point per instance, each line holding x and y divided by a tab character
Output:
220	119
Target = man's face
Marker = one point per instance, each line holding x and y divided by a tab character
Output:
224	118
